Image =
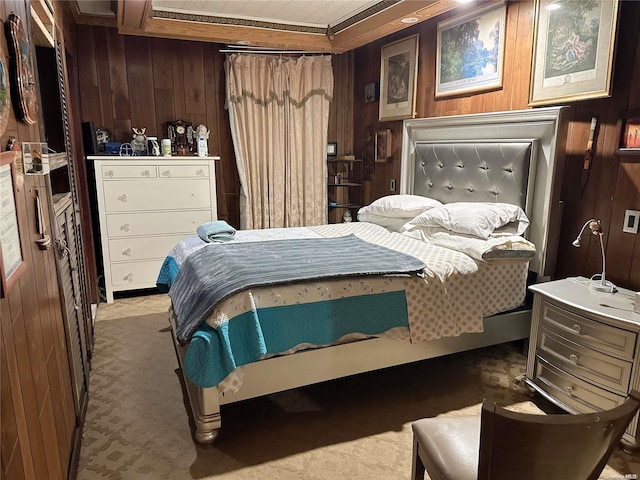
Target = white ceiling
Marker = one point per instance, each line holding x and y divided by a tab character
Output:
311	13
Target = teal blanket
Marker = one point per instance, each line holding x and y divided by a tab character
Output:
216	232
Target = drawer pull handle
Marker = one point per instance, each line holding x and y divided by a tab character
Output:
569	389
166	173
576	328
127	252
128	277
146	173
200	173
109	173
124	227
123	198
573	358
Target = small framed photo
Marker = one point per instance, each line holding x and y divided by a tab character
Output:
12	262
398	77
332	149
629	134
383	145
371	92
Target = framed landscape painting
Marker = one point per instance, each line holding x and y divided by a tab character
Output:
573	50
470	52
398	77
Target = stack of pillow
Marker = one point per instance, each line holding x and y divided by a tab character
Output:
486	231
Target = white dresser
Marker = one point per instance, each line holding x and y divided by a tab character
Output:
584	348
145	206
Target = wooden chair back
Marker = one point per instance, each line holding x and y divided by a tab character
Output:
550	447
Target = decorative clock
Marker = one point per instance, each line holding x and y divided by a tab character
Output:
181	134
23	84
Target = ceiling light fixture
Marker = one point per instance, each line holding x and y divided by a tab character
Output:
243	42
409	20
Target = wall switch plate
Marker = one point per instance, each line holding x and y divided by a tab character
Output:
392	185
631	219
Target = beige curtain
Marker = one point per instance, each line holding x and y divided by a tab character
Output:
279	114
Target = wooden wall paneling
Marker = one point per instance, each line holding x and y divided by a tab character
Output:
163	85
9	442
120	98
194	91
179	80
102	61
140	84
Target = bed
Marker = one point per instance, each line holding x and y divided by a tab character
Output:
419	301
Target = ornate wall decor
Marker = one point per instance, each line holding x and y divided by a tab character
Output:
23	83
4	94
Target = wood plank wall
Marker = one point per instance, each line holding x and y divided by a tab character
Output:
126	81
614	181
37	412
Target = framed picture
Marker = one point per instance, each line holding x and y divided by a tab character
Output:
398	77
383	145
12	262
629	134
371	92
470	52
332	149
23	83
573	50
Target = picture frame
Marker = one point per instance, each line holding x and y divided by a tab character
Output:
398	78
12	262
573	50
332	149
23	83
371	92
383	145
628	134
470	52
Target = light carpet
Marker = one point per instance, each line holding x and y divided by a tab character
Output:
138	427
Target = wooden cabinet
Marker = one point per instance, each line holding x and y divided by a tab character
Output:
344	187
583	350
145	206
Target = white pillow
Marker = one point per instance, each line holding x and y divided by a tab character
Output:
473	218
404	206
394	224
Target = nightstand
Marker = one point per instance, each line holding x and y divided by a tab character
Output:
583	348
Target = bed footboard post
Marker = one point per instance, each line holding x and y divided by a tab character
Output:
204	402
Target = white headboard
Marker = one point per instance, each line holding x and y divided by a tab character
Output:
514	157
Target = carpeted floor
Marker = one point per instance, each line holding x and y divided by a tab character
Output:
137	425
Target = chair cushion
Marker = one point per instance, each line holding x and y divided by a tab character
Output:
452	445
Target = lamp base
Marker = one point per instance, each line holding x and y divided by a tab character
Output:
596	284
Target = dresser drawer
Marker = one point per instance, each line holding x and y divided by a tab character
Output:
141	248
159	194
155	223
136	274
604	370
183	171
604	338
578	395
114	172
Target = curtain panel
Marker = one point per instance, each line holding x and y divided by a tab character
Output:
279	114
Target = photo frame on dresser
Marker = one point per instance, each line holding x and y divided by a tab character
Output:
12	262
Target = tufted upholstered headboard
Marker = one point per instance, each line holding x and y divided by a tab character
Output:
512	157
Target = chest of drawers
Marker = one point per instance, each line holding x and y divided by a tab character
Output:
145	206
583	348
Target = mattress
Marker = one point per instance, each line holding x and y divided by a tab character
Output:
450	298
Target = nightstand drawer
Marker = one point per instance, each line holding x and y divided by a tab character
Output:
604	338
604	370
575	394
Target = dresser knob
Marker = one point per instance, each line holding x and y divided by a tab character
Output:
124	227
123	198
127	252
128	277
569	389
576	328
146	173
166	173
573	358
200	173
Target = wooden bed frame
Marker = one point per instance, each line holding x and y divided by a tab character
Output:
545	129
